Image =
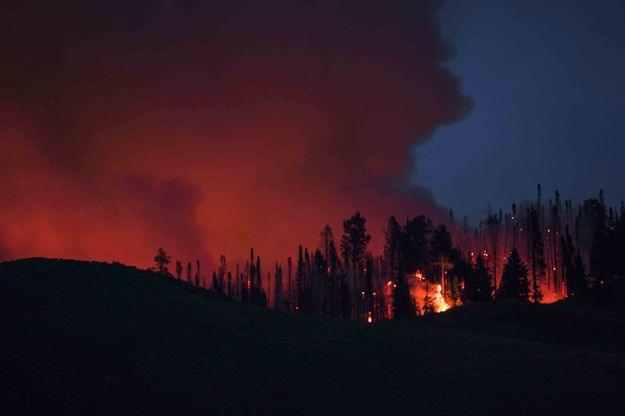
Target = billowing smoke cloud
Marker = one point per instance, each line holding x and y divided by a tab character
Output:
210	127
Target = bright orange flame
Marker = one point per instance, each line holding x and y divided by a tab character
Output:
439	301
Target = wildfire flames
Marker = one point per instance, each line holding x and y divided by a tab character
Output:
427	295
439	300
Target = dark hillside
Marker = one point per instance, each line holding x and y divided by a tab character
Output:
567	323
93	338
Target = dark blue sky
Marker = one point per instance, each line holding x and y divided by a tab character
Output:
548	81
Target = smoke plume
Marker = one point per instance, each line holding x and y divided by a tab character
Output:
210	127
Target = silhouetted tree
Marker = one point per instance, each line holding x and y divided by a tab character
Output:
215	285
327	247
257	295
415	250
189	273
299	278
353	247
178	270
493	224
477	282
573	267
594	235
162	260
197	273
442	252
403	304
289	302
537	253
278	288
514	281
354	241
223	268
392	247
245	290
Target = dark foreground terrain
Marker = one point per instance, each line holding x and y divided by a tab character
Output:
91	338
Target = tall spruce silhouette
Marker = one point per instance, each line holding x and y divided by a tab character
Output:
178	270
189	273
536	252
402	306
353	247
197	273
514	281
478	282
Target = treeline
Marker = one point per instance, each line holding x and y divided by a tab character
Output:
565	248
536	251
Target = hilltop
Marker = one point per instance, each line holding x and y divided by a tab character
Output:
96	338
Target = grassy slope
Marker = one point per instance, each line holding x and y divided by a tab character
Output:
94	338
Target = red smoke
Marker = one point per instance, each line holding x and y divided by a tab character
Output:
208	129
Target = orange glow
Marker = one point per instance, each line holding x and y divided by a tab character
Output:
420	288
127	152
439	301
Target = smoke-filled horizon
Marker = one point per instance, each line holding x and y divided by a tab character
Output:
213	128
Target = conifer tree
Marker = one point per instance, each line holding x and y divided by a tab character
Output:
355	239
299	279
162	260
215	286
392	247
223	268
477	282
278	287
289	294
403	305
514	281
537	253
178	270
197	273
415	245
189	273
